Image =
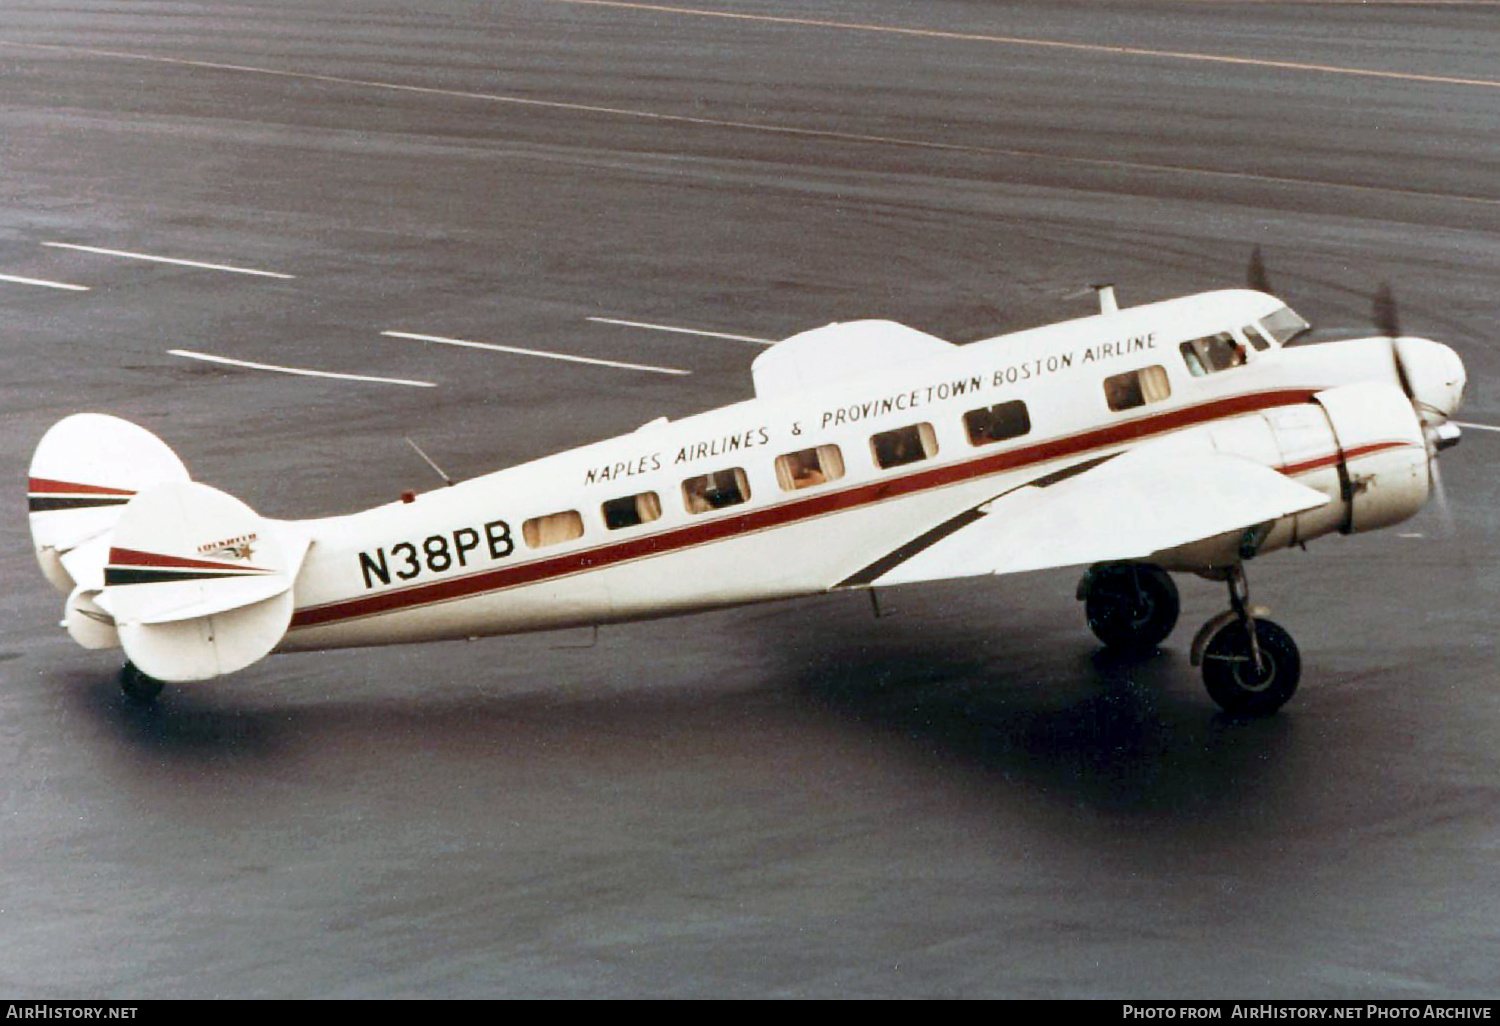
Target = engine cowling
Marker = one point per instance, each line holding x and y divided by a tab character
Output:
1361	445
1383	454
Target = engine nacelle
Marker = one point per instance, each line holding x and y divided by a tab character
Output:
1384	476
1361	445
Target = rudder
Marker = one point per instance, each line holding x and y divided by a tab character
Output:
86	468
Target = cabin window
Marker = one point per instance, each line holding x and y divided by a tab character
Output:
1137	388
904	445
631	510
1256	336
807	468
552	529
1283	325
1213	353
722	488
997	423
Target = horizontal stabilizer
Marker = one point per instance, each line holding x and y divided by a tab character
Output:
185	590
1141	502
198	584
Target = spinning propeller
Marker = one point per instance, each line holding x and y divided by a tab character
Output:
1438	430
1430	373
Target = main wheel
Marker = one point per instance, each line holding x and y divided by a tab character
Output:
137	686
1131	605
1234	681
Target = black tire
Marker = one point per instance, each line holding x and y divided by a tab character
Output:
137	686
1230	675
1131	606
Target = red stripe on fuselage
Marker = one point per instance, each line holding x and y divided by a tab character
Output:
821	504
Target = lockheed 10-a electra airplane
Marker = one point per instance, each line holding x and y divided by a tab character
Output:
1177	436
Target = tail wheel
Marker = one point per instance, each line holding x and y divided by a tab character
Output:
1131	605
137	686
1235	680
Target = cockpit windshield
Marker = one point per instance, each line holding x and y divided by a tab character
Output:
1284	325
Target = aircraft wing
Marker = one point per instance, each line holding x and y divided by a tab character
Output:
1120	507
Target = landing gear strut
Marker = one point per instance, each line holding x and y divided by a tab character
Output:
1250	665
137	686
1130	606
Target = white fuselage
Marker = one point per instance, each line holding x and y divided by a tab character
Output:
462	561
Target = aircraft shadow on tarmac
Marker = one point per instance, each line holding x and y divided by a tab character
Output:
1075	724
1120	736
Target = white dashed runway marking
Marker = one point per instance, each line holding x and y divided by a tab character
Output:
542	353
129	254
303	371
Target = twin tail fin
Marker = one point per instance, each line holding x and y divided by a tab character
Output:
189	580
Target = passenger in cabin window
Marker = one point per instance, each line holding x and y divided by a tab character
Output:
1224	352
715	491
1123	391
805	469
900	447
808	468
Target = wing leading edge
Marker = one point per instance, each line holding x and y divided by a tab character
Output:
1119	507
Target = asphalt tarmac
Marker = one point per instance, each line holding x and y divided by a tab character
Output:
965	798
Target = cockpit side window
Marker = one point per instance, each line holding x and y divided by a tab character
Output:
1213	353
1256	336
1283	325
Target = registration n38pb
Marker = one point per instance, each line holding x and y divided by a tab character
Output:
408	560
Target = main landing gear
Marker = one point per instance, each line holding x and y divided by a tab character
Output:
1250	665
137	686
1130	606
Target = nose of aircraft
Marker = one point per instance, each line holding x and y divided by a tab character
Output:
1433	375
